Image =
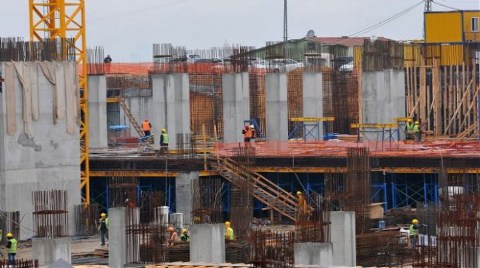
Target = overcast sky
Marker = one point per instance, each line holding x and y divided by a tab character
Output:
128	28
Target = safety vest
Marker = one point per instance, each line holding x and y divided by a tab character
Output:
416	128
13	246
229	234
409	126
412	230
146	125
248	133
165	138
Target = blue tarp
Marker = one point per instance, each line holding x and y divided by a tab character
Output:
118	127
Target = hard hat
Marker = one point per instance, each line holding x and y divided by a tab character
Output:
164	130
227	223
170	229
415	221
409	120
416	122
184	230
9	235
298	192
103	215
252	126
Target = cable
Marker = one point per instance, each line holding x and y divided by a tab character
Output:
453	8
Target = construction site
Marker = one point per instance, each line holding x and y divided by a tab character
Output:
332	177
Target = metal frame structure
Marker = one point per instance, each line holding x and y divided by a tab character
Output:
62	19
310	127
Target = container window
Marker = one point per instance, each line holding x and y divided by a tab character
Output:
475	24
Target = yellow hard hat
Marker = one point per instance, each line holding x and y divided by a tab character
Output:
184	230
415	221
227	223
416	122
164	130
299	193
409	120
9	235
103	215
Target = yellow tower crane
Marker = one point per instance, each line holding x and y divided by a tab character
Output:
65	20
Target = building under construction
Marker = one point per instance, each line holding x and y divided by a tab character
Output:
329	180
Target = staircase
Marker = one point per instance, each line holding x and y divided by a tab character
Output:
134	122
264	190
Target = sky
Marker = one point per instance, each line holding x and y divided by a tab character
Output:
127	29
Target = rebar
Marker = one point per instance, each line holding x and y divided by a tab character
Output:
50	215
15	49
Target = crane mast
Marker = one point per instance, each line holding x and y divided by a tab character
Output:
65	20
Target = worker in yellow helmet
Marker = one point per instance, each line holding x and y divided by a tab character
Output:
302	208
409	133
413	233
418	131
103	227
12	248
185	237
229	231
164	140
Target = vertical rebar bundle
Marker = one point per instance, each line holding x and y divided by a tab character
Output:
206	200
15	49
85	218
96	64
241	208
122	192
272	249
50	215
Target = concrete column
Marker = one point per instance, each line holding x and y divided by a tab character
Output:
182	111
313	254
48	251
236	105
183	194
342	233
97	111
276	106
117	239
161	85
207	243
313	103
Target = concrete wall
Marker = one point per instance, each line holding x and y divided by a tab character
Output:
342	233
117	238
313	254
170	106
207	243
236	105
48	251
183	194
383	97
313	103
49	159
97	111
276	106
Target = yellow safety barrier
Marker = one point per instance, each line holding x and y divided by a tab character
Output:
311	119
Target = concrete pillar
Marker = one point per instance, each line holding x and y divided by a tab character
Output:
183	194
313	103
276	106
342	233
170	106
97	111
313	254
48	251
236	105
117	239
207	243
383	98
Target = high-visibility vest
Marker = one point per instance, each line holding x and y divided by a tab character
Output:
229	234
165	138
409	126
146	125
416	128
248	133
13	246
412	230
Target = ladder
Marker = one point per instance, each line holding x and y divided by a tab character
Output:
130	117
264	190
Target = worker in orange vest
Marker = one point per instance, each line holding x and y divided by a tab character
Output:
146	127
247	135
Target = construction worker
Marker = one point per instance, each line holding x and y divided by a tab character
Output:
247	135
302	209
146	127
229	231
417	131
185	237
164	141
173	236
103	228
413	233
410	131
12	248
107	59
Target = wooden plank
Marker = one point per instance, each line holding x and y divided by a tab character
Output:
458	109
423	93
437	99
